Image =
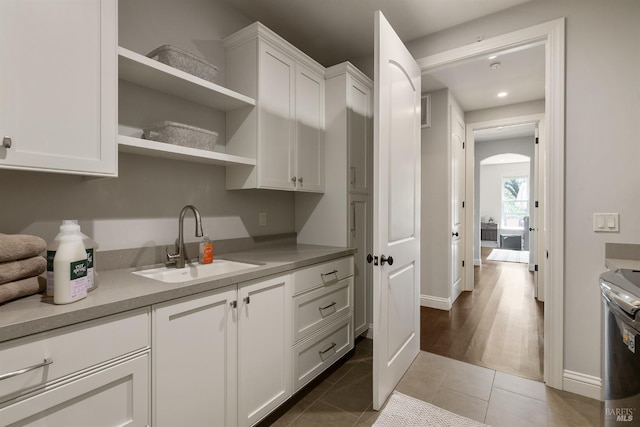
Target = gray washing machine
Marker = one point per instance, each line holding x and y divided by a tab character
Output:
621	298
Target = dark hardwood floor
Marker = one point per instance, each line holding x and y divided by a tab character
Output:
499	325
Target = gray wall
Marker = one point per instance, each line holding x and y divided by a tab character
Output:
141	206
435	200
435	237
484	150
602	135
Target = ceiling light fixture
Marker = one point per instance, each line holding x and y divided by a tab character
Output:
495	65
493	56
502	94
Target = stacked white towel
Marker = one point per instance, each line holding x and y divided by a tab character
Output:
21	266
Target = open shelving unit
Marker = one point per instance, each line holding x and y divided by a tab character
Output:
155	75
128	144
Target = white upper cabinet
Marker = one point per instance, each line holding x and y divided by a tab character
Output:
276	147
58	93
310	129
285	132
360	133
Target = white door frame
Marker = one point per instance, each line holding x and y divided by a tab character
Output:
552	33
538	119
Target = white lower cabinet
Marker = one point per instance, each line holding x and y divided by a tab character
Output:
222	358
317	353
264	347
194	360
323	329
90	374
115	395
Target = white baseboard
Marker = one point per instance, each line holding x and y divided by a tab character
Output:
477	262
370	331
435	302
582	384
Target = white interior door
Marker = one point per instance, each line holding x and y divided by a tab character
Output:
458	171
396	211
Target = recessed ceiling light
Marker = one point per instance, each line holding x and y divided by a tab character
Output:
495	65
502	94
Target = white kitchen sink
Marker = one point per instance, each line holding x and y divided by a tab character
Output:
195	271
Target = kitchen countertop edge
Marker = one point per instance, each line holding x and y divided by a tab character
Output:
120	290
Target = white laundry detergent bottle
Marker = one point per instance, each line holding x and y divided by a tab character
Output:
90	246
70	265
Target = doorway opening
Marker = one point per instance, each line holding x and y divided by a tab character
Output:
549	37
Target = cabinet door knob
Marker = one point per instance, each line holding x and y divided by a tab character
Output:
247	300
234	304
455	234
6	142
294	179
300	180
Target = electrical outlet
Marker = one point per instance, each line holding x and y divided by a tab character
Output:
262	219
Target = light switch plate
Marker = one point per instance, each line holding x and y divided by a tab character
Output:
606	222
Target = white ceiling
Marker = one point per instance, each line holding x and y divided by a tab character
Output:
333	31
475	84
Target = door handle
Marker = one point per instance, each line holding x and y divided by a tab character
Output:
384	259
455	234
531	229
371	258
6	142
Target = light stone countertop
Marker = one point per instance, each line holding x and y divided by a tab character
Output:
120	290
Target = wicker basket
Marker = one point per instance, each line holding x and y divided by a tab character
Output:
185	61
181	134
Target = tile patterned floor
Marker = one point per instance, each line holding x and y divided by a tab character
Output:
343	396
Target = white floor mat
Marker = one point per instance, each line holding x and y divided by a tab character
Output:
509	256
402	411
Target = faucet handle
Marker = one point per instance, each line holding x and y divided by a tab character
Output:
172	258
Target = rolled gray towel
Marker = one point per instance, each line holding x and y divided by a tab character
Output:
16	270
15	247
22	288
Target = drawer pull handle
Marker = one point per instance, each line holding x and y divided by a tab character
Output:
328	306
331	347
47	361
330	273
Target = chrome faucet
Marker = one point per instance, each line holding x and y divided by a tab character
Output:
178	258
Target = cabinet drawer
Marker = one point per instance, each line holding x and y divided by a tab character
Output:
115	395
71	349
312	356
321	274
317	308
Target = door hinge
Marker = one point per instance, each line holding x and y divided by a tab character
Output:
535	267
463	263
536	205
462	205
463	145
537	139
